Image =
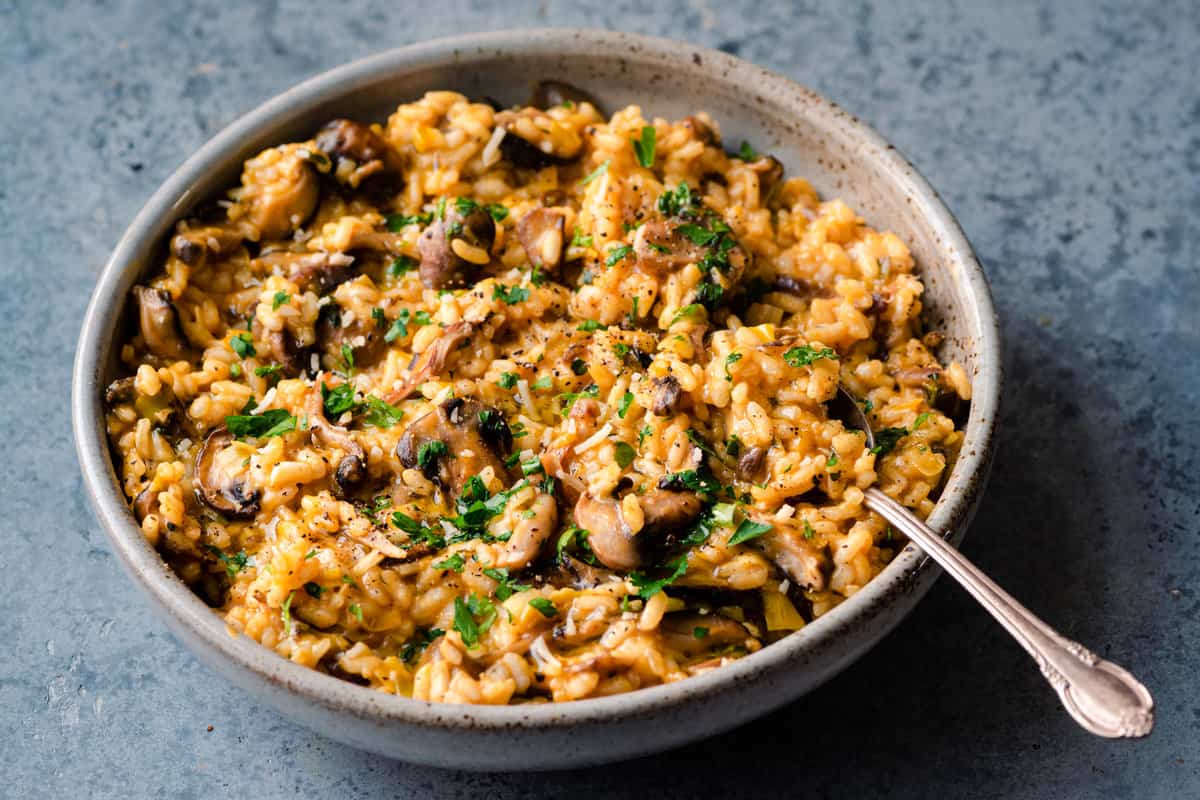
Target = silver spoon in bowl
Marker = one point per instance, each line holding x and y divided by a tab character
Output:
1102	697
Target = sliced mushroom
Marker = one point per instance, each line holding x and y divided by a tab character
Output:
528	142
803	563
120	391
529	534
284	349
570	571
749	466
223	493
319	272
769	170
351	468
701	130
695	634
797	287
470	440
431	360
667	394
453	250
357	150
209	244
364	337
279	191
145	502
664	513
548	94
159	323
541	234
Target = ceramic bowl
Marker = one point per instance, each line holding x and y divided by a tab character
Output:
813	137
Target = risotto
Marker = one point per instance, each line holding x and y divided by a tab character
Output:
514	405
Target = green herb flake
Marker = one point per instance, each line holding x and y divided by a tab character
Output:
401	265
596	173
626	402
454	563
886	440
579	366
617	253
624	453
398	222
314	589
279	299
511	297
357	611
381	413
544	607
338	400
733	446
921	419
730	360
648	587
803	355
274	422
421	640
508	380
808	530
243	345
748	529
235	370
544	382
233	563
429	452
643	148
689	311
310	554
285	613
700	632
832	461
747	153
507	586
589	325
580	240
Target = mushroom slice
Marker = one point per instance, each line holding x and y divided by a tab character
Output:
158	321
680	631
530	534
223	493
667	396
144	503
279	191
769	170
541	234
701	130
785	544
120	391
285	351
548	94
750	464
357	150
455	441
351	469
535	139
318	272
454	249
570	571
431	360
664	512
364	337
212	243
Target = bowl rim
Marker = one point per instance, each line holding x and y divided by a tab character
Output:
910	570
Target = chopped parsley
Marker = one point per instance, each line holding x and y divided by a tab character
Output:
508	380
347	360
748	529
569	398
507	586
589	325
233	563
544	382
579	366
275	422
418	533
648	587
279	299
285	613
580	240
700	632
575	538
544	607
272	372
747	153
357	611
643	148
730	360
398	222
243	345
454	563
808	530
687	312
314	589
624	453
421	639
643	433
832	461
381	413
918	422
617	253
803	355
430	451
733	446
673	203
511	297
886	439
338	400
596	173
626	402
694	481
401	265
473	617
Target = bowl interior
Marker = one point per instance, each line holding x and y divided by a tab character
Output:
810	136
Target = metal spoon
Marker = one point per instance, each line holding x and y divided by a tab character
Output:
1102	697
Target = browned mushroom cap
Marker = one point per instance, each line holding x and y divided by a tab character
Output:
570	571
144	503
664	512
120	391
769	170
801	561
279	191
431	360
694	634
159	323
701	130
364	337
541	234
357	150
548	94
661	246
474	437
223	493
316	272
205	244
523	151
352	467
667	394
284	349
750	464
454	249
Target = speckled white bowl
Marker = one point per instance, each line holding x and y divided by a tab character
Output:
812	137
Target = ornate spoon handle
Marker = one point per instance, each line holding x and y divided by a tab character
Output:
1102	697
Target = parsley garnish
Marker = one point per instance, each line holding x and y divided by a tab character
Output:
624	453
747	153
748	529
804	355
626	401
454	563
429	452
338	400
808	530
687	312
617	253
401	265
733	446
544	607
357	611
832	461
279	299
275	422
700	632
233	563
589	325
674	203
243	345
648	587
381	413
544	382
919	421
579	366
473	617
596	173
398	222
511	296
730	360
644	148
579	240
507	586
886	439
421	640
285	613
314	589
507	380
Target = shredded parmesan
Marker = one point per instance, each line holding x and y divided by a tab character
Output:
491	150
526	397
595	439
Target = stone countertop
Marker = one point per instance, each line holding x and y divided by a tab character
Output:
1065	136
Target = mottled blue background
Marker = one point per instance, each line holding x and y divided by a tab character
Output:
1065	135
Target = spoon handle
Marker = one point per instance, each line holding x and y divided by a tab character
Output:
1102	697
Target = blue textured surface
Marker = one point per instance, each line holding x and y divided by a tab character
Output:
1066	136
